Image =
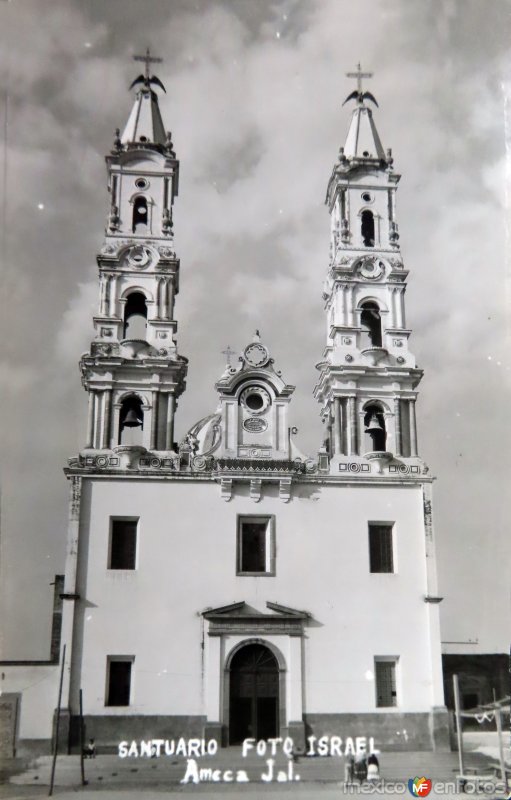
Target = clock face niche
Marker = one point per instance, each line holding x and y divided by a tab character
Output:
256	354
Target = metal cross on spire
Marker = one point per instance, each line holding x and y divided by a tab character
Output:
148	59
147	80
358	75
358	94
228	353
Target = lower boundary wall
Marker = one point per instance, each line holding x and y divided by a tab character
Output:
392	732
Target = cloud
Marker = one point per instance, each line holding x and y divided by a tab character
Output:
257	122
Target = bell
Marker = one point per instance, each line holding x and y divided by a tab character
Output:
373	424
131	420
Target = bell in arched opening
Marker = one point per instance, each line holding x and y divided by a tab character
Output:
374	428
135	317
131	421
140	215
370	321
367	228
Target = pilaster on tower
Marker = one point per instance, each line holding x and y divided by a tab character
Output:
133	372
368	376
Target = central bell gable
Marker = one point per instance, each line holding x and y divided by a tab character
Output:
253	407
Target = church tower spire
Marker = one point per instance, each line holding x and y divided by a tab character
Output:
368	377
133	372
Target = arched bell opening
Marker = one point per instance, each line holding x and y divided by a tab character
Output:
135	317
370	322
375	432
131	421
140	215
255	693
367	228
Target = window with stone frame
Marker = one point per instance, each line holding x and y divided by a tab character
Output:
122	551
381	547
385	681
255	551
118	680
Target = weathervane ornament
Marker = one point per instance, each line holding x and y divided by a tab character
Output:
147	79
358	94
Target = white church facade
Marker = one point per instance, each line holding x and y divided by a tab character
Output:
228	586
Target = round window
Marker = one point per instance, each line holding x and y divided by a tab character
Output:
141	183
366	197
255	399
254	402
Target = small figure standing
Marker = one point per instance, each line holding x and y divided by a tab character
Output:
89	751
373	768
349	769
361	766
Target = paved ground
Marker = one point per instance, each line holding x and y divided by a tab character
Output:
130	778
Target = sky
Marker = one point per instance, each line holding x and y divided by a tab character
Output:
254	101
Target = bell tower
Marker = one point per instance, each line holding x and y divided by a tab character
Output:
368	376
133	373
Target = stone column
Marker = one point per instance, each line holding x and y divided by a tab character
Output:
102	296
159	299
169	433
165	298
337	427
393	312
106	419
397	426
170	290
352	317
154	422
413	429
344	309
214	678
70	591
97	420
352	428
399	308
295	691
116	424
90	420
361	432
113	287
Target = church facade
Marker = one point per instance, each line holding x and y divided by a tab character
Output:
228	586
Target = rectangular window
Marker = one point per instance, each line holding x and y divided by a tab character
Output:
385	681
380	547
118	688
256	546
123	543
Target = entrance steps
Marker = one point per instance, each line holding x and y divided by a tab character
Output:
110	770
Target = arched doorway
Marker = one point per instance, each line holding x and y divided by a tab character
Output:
253	694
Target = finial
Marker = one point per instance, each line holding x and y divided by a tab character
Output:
117	141
169	146
147	79
358	94
257	336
